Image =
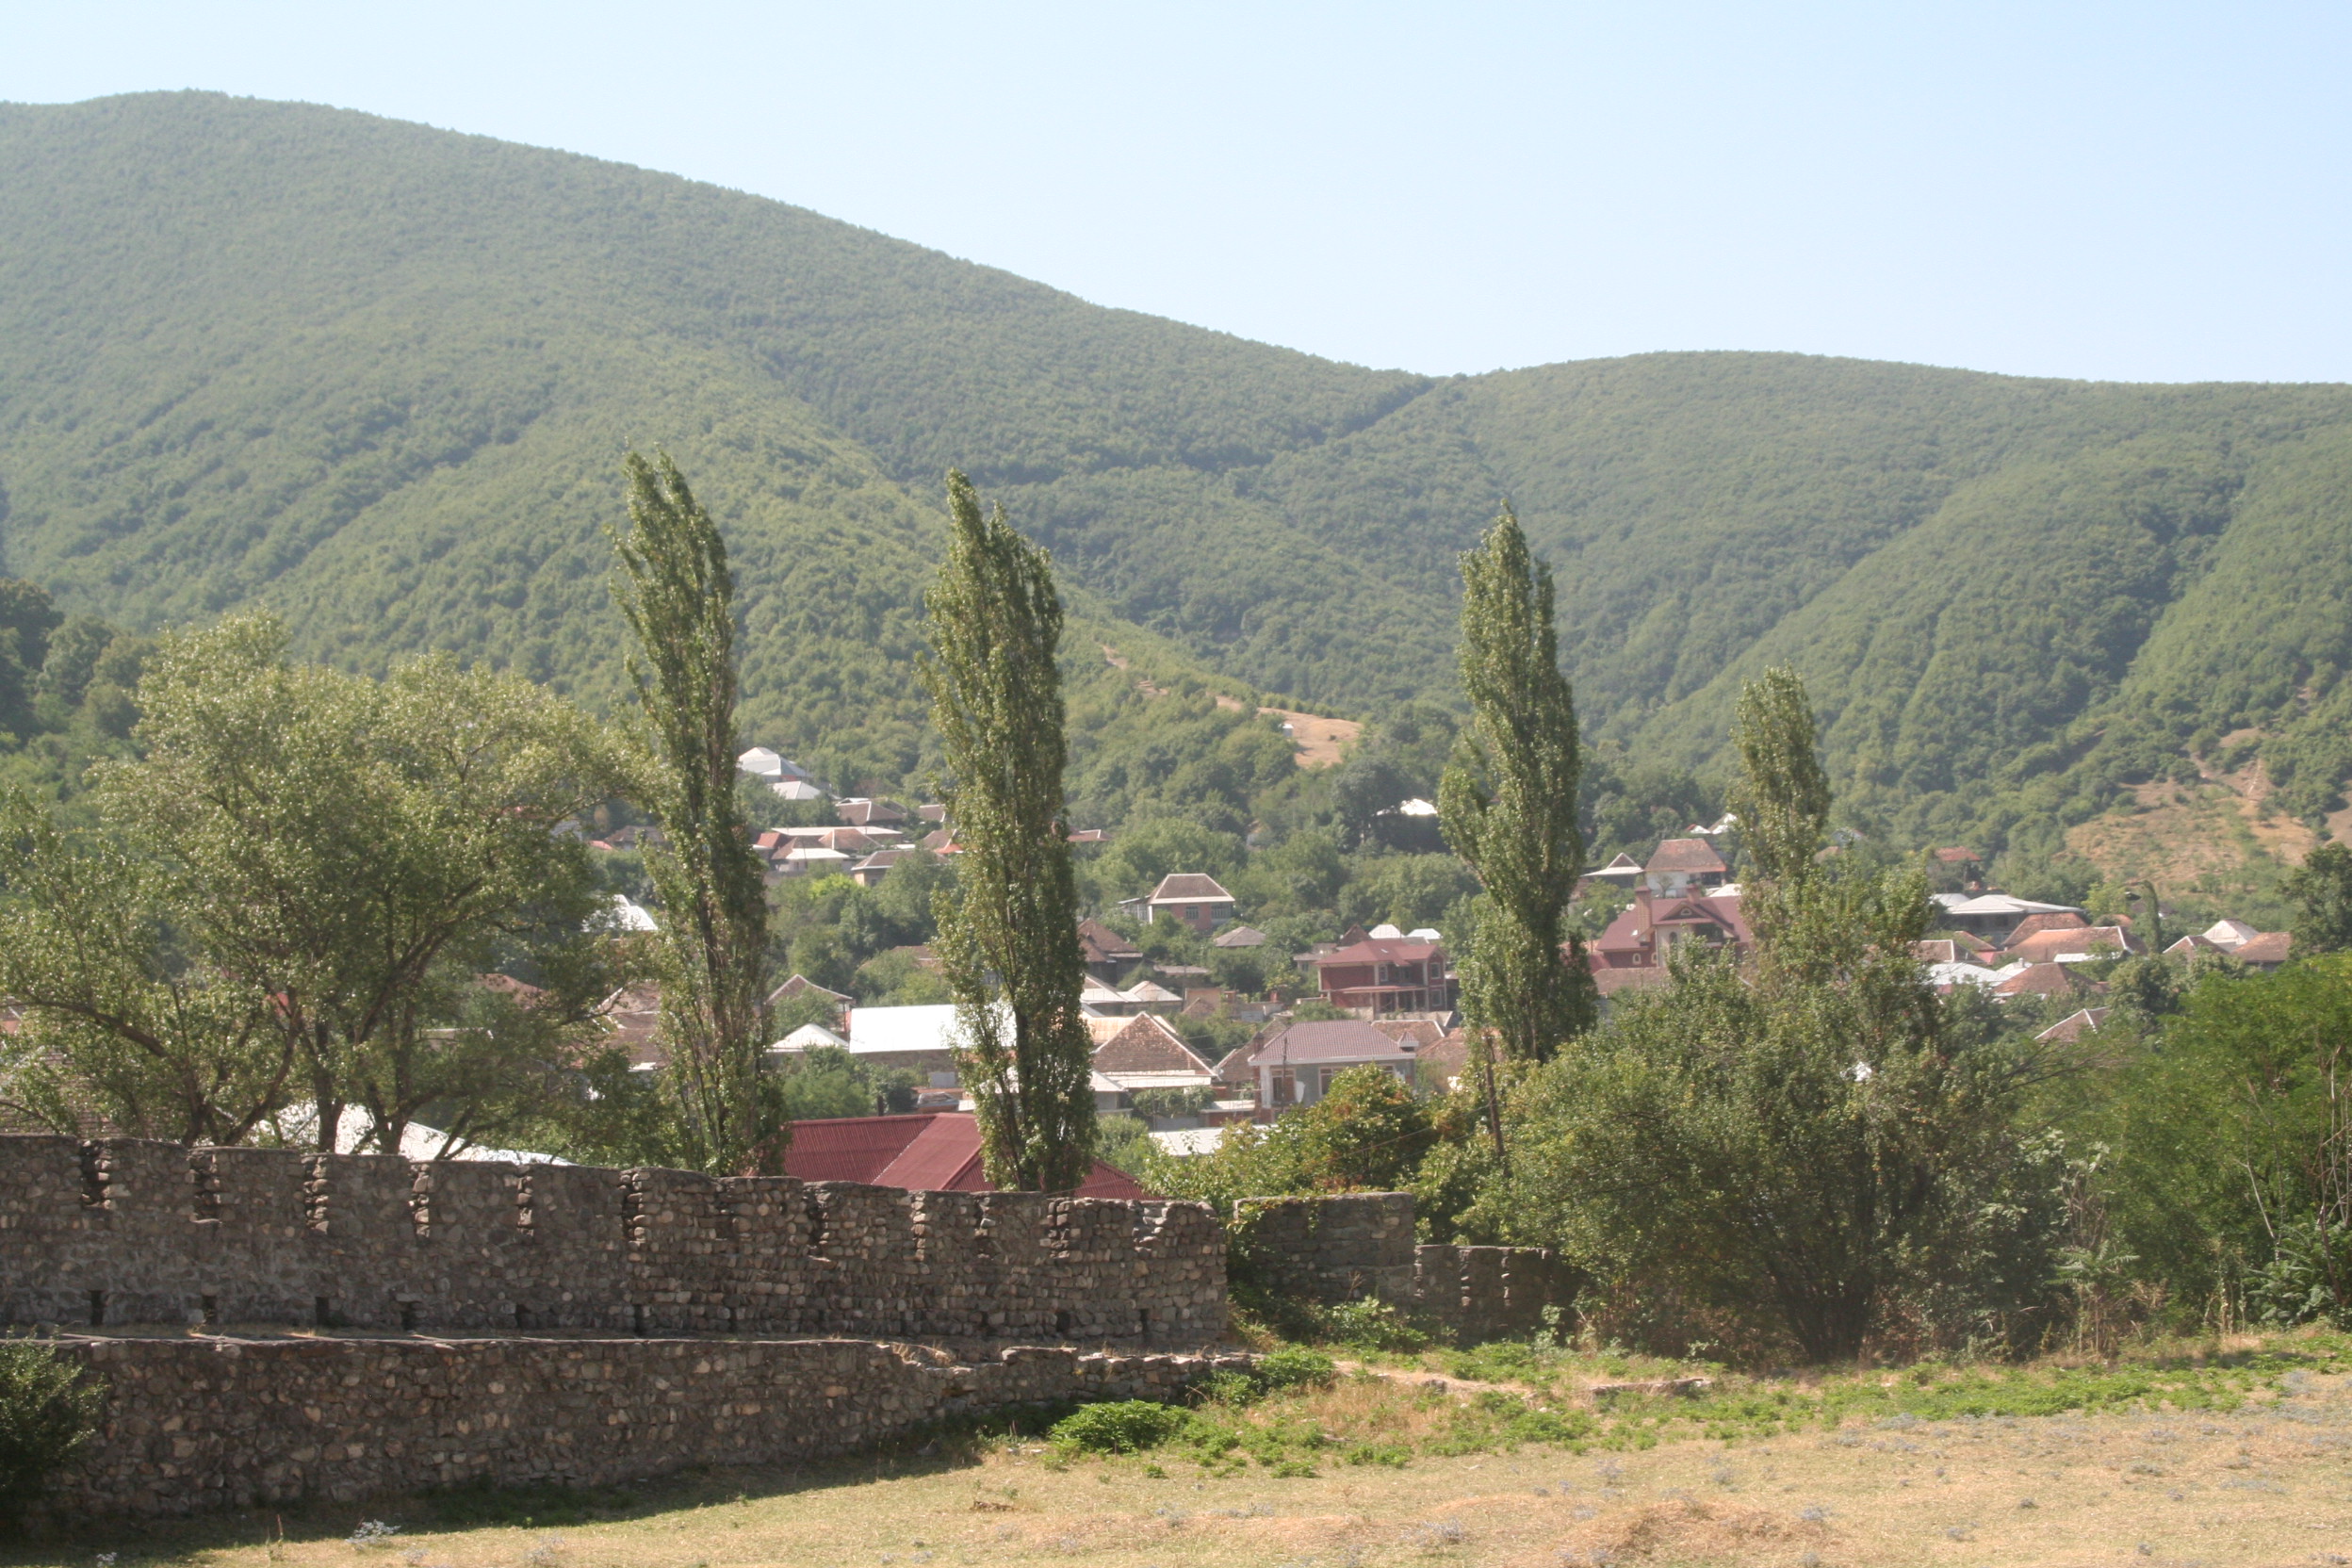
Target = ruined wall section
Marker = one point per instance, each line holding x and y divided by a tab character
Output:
1356	1247
124	1231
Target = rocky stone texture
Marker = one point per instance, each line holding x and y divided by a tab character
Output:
201	1423
1360	1245
124	1231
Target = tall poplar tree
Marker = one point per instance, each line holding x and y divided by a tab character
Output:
674	587
1509	805
1008	927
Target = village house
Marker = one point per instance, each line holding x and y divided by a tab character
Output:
1386	973
1682	865
1107	952
1684	897
1297	1065
1190	897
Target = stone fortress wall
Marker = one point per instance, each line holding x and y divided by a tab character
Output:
126	1231
1360	1245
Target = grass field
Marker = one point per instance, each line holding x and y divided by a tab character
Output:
2211	1454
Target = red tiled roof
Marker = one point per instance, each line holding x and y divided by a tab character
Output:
2042	980
1686	855
2046	946
1147	1045
2075	1025
937	1151
2033	926
1380	949
1104	945
1956	855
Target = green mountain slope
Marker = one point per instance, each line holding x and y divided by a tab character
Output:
379	375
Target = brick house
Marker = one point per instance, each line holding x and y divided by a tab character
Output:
1191	897
1645	932
1383	974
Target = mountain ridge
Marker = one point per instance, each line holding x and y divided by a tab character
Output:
379	375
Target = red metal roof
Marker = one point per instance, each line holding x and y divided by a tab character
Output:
935	1152
1691	855
1382	950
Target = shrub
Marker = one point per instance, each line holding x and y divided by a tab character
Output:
1296	1368
1125	1426
47	1412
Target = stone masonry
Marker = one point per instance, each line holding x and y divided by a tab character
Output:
1360	1245
203	1423
125	1232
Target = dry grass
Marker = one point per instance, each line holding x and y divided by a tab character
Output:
2264	1482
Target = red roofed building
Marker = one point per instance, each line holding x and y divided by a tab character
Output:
2265	952
1385	974
937	1151
2045	947
1641	935
1682	864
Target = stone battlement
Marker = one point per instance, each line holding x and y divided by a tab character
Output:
127	1231
1360	1245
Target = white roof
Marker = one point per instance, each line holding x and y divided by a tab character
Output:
760	761
818	856
2230	932
1416	807
808	1037
1423	934
880	1029
797	789
1134	1081
1957	974
1144	990
629	915
1384	933
2002	904
1723	890
417	1141
1187	1141
1097	994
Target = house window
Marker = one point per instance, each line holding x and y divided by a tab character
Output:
1331	1076
1283	1086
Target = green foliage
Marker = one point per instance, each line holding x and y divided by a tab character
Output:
1368	1132
1120	1427
2322	885
296	890
1008	938
2008	596
677	597
48	1412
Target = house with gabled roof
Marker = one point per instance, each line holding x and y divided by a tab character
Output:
1298	1064
1680	865
1107	952
1386	974
1192	897
1646	930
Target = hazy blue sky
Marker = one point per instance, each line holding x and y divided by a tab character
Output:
2142	191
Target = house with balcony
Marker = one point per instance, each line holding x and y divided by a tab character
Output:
1384	975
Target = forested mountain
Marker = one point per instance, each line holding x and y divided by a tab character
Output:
379	376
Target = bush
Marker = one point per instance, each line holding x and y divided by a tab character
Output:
1296	1368
47	1412
1126	1427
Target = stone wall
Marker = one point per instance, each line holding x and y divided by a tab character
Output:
124	1231
1360	1245
201	1423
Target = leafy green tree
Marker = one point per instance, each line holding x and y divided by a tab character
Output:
674	588
1367	1132
315	868
1804	1130
1008	937
2323	887
1509	805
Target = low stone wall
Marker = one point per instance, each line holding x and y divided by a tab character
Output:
203	1422
1360	1245
126	1231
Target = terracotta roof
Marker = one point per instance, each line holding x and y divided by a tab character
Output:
1422	1032
1147	1045
1239	935
1334	1040
2033	926
2042	980
1234	1067
1956	855
1685	854
2191	945
800	985
937	1150
1937	951
2075	1025
2271	947
1189	887
1448	1057
2048	946
1608	981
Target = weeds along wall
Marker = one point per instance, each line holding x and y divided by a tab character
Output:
126	1231
1360	1247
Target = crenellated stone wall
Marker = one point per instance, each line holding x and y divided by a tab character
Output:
201	1423
1360	1245
124	1231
